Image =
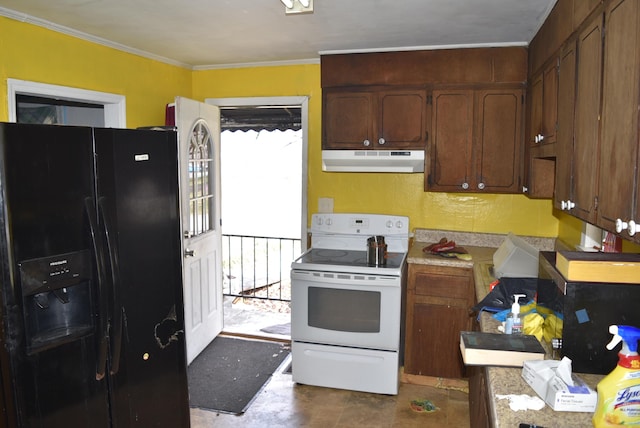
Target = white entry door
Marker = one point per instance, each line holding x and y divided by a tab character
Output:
199	138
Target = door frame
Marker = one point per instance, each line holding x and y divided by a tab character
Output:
115	114
303	102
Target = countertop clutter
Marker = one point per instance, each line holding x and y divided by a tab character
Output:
499	380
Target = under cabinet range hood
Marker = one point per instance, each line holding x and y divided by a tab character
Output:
373	160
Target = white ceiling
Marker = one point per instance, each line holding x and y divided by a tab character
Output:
209	33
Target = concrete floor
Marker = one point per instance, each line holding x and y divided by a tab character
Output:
248	318
283	403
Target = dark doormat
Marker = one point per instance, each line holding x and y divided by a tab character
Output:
229	373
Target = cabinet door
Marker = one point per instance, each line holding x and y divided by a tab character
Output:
550	103
536	95
348	120
564	136
498	140
452	131
478	398
438	302
585	153
617	189
402	120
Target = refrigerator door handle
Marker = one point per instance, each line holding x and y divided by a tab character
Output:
103	337
118	310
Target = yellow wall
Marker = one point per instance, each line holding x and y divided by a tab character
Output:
400	194
29	52
32	53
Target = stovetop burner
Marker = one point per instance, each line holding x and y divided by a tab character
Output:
354	260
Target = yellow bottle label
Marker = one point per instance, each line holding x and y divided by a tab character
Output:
624	408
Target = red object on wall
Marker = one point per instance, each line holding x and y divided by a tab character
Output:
170	115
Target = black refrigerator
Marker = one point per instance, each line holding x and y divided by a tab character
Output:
92	331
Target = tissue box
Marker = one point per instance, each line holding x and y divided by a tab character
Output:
541	376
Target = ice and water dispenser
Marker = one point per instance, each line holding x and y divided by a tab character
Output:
57	301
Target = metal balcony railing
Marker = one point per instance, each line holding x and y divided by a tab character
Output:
258	267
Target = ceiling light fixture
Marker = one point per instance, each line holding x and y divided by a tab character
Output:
297	6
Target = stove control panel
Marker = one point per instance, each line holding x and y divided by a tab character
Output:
369	224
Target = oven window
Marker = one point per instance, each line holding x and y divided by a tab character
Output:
352	311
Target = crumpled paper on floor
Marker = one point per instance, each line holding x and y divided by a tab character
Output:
522	402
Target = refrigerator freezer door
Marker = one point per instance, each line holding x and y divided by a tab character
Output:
139	208
46	176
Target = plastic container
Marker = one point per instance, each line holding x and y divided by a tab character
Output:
515	258
619	392
513	323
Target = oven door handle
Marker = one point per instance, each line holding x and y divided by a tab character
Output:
373	282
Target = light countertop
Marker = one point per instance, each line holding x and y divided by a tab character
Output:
500	380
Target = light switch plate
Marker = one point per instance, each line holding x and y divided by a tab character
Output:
325	205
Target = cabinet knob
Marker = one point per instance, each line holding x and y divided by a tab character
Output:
381	141
525	189
481	186
633	228
366	143
538	138
567	205
465	186
621	225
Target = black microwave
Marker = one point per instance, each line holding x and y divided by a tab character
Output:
588	309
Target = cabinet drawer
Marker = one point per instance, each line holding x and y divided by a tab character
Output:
451	286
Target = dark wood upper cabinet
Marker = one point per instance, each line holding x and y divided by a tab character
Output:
618	183
597	153
452	141
587	121
402	119
374	119
476	142
564	134
348	119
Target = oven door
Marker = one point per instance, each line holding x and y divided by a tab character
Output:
343	309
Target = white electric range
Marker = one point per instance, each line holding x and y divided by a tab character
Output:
346	313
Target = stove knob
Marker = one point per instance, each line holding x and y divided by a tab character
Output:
389	224
319	221
329	222
399	224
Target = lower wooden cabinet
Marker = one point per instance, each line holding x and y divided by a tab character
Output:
478	398
438	303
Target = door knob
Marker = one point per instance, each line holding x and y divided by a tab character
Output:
189	253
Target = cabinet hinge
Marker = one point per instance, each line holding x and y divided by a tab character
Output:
595	203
